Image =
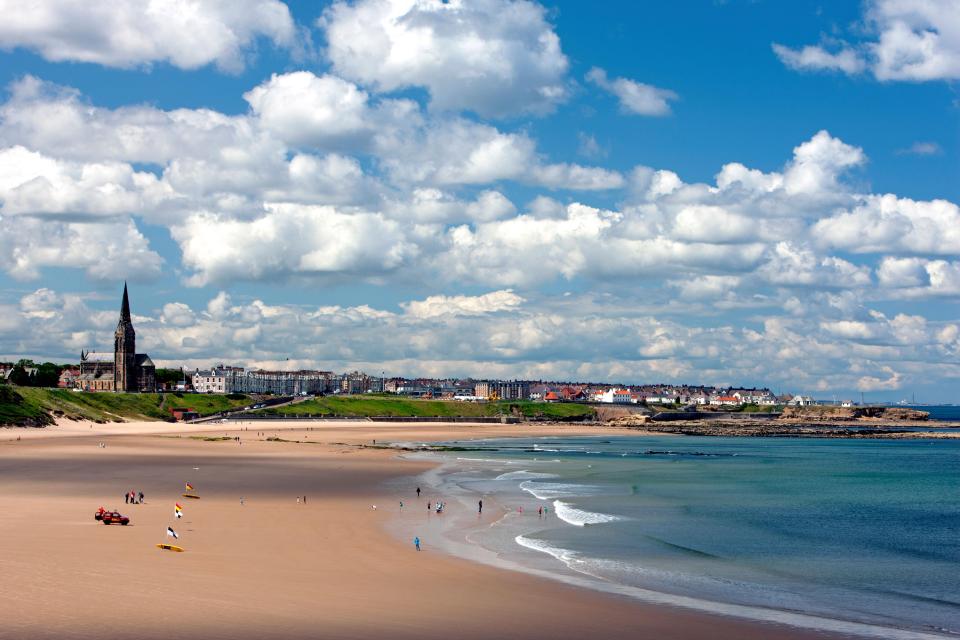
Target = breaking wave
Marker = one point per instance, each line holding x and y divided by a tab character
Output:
579	517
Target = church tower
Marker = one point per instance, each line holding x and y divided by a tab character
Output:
125	350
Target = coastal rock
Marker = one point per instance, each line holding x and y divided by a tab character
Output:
833	414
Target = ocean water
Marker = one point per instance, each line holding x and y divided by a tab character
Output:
863	531
945	412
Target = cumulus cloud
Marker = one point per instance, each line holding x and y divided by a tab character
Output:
56	120
184	33
888	224
908	40
635	97
290	240
492	57
577	338
457	151
919	277
439	306
98	249
325	111
31	183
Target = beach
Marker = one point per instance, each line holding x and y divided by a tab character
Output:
272	566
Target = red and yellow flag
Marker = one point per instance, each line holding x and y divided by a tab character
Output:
189	487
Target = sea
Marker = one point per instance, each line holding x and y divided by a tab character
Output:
858	536
945	412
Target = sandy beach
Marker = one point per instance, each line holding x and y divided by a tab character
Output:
271	567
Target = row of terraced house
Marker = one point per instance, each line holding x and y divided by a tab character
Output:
225	379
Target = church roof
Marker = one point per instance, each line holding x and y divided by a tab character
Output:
125	306
98	356
143	360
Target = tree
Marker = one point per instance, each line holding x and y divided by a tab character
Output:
47	375
165	376
19	375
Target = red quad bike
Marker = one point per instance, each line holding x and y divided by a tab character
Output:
114	517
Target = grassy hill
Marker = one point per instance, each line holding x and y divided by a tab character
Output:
31	406
382	405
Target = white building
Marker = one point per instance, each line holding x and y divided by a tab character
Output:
616	396
211	381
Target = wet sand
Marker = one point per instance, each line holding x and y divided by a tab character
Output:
271	568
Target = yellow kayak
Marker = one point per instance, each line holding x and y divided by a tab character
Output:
170	547
190	495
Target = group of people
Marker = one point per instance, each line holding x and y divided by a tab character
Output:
133	497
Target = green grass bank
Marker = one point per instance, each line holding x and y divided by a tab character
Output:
31	406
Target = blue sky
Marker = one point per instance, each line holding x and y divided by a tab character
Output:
719	192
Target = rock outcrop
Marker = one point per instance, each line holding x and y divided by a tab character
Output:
849	414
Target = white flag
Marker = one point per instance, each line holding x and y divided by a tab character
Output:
178	513
171	532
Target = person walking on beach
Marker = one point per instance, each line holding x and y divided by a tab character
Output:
416	543
140	497
126	498
540	512
418	492
428	507
304	499
480	504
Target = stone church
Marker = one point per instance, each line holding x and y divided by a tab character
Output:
125	369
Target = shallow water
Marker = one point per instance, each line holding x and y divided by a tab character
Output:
858	530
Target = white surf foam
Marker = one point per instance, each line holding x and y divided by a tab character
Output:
552	490
579	517
563	555
524	475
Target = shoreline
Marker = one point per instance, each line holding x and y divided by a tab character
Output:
460	542
272	568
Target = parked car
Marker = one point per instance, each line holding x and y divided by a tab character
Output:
114	517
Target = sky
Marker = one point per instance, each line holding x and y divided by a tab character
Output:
715	192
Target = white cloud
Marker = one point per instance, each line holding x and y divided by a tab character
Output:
873	383
185	33
914	40
577	338
290	240
818	58
458	151
177	314
31	183
706	287
589	147
919	277
919	39
100	249
888	224
493	57
326	111
635	97
789	264
441	306
922	149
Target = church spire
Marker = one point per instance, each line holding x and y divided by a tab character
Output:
125	305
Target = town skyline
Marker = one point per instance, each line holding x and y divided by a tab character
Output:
545	191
